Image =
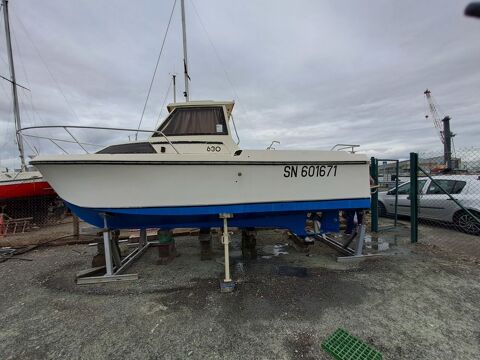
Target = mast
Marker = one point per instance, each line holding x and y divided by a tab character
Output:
186	93
16	108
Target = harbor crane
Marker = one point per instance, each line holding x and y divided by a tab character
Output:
442	124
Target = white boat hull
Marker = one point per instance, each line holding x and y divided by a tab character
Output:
150	181
173	191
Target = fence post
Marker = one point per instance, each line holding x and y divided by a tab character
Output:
374	196
413	197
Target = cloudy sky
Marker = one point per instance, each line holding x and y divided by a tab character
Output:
309	74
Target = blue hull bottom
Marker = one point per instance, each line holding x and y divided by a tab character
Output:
282	215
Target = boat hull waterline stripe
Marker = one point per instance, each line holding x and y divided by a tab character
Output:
243	208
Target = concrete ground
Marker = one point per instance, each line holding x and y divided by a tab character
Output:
449	239
440	235
414	303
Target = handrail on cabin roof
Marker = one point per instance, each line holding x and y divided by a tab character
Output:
66	127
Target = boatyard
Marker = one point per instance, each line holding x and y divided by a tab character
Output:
419	302
340	220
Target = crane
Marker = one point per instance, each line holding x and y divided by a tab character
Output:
443	127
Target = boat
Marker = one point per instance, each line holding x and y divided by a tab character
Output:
190	172
23	191
23	185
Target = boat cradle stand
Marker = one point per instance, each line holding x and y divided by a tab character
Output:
114	264
227	285
348	254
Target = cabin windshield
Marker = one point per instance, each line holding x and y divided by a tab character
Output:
194	121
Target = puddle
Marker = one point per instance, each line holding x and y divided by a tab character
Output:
376	243
274	250
295	271
385	241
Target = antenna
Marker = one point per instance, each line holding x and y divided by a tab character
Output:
174	76
186	93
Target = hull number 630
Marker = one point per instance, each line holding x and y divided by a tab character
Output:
309	171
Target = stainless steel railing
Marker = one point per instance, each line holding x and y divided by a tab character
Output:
74	140
340	147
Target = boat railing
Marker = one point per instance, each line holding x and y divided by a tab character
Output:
74	140
340	147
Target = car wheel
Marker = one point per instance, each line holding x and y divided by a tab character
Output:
382	211
467	223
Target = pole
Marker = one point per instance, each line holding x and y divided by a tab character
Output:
397	171
374	196
186	93
16	107
413	197
226	242
107	247
174	79
447	146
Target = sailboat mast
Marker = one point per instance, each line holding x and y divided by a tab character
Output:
185	57
16	108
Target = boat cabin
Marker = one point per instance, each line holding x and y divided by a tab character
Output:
194	127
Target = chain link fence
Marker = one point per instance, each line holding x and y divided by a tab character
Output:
23	219
449	201
444	213
387	223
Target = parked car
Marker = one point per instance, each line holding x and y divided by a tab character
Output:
435	204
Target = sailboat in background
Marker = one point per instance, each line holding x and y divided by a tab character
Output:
23	191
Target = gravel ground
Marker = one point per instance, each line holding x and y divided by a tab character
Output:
418	304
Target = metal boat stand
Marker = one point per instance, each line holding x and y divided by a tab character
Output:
349	254
114	264
227	285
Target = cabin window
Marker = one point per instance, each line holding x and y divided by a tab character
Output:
133	148
194	121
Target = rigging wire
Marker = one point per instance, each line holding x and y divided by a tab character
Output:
33	115
222	65
5	141
163	104
27	94
59	88
235	128
156	67
215	51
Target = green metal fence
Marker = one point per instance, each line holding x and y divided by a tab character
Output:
385	221
445	206
439	206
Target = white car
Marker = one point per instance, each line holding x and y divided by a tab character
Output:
434	204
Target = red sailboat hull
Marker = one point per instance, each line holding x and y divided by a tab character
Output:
26	195
25	189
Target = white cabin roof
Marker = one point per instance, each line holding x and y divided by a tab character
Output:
228	104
